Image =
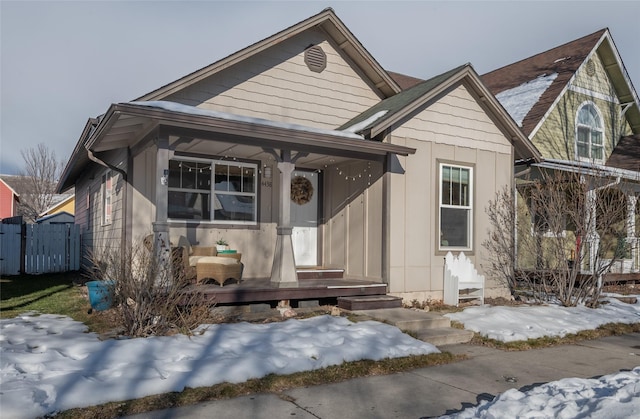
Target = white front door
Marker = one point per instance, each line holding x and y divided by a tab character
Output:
304	217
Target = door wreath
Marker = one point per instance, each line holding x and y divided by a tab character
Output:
301	190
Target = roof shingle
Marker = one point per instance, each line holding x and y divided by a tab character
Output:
563	60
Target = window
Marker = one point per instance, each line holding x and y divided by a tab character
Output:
589	133
107	195
456	207
213	190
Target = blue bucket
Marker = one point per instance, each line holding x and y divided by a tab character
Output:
100	294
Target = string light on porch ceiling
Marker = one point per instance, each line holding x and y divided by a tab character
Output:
353	178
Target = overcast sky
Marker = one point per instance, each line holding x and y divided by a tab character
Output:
63	62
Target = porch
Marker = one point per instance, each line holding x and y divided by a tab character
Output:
256	290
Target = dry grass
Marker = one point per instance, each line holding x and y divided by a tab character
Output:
270	384
610	329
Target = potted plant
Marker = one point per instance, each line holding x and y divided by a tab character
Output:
221	245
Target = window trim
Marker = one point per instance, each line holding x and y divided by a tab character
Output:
591	129
106	187
470	208
211	191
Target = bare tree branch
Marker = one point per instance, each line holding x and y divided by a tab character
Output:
41	172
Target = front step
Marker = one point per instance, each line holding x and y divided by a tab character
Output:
427	326
408	319
319	273
369	302
445	336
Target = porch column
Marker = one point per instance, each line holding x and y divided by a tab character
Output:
161	245
593	239
632	240
283	270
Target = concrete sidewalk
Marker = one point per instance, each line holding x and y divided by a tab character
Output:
428	392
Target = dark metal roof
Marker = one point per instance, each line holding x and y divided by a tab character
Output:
399	101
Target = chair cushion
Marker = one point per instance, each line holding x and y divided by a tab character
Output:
216	259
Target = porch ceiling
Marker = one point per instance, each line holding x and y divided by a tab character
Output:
129	125
223	149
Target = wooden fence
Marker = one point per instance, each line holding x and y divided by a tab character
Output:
39	248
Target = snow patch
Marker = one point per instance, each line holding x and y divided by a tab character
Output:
519	100
363	124
192	110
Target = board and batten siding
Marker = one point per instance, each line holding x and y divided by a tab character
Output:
353	211
454	129
276	84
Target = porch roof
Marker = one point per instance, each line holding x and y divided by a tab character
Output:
131	125
589	169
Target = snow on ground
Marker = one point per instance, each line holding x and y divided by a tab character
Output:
509	324
611	396
49	363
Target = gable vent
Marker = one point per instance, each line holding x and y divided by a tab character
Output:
315	59
591	67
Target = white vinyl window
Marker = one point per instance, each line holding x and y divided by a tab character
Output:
589	133
213	190
107	197
456	207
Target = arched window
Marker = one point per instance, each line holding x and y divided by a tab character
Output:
589	133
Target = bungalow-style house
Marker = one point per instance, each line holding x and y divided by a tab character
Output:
9	200
579	108
302	151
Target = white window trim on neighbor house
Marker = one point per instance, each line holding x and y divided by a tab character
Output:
591	129
217	195
107	198
464	201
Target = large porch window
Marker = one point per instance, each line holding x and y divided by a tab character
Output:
213	190
456	207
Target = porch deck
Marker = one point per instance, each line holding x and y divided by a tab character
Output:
260	290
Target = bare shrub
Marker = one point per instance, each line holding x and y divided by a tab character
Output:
561	239
152	299
500	244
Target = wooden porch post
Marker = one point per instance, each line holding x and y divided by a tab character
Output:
161	245
632	240
593	238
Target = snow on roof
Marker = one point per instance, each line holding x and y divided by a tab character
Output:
519	100
192	110
363	124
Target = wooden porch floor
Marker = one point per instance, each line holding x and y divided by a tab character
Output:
260	290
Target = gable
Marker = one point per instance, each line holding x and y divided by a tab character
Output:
560	62
276	84
556	135
457	119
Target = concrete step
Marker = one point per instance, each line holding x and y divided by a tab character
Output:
427	326
444	336
369	302
408	319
